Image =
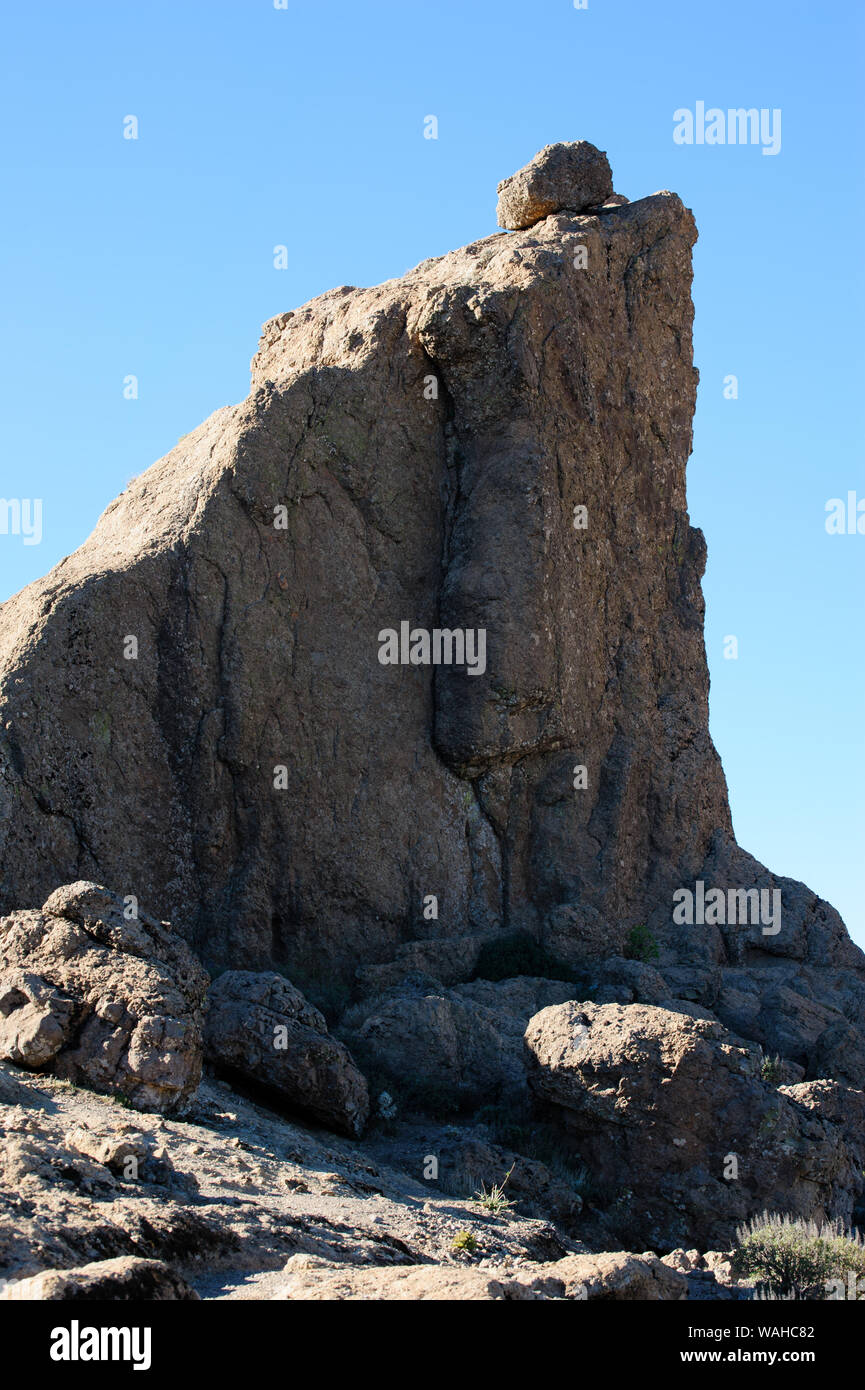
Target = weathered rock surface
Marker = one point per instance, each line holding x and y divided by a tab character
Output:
570	176
418	452
616	1276
121	1279
261	1029
841	1106
102	999
660	1101
10	1091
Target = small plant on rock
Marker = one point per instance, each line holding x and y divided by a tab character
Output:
771	1070
641	945
495	1200
464	1243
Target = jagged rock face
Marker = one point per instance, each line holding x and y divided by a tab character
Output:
410	453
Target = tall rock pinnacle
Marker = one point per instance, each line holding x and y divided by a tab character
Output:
494	444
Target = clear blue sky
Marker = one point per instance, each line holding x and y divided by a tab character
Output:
303	126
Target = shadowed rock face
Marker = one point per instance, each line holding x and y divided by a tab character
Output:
261	1029
414	453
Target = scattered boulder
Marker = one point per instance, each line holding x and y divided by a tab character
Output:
614	1275
313	1279
671	1110
709	1277
123	1279
571	176
120	1150
261	1028
129	1154
102	999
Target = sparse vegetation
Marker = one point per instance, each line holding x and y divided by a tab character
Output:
508	1124
464	1243
641	944
771	1070
494	1200
513	1127
794	1258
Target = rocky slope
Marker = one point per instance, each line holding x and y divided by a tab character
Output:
236	1202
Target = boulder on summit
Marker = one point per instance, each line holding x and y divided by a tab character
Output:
571	176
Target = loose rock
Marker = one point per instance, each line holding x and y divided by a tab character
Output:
262	1029
571	176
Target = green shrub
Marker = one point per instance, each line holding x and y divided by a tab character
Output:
771	1070
464	1243
641	945
794	1258
517	954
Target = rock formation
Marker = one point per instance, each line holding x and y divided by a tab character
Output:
674	1110
101	998
561	178
120	1280
387	688
618	1276
207	664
